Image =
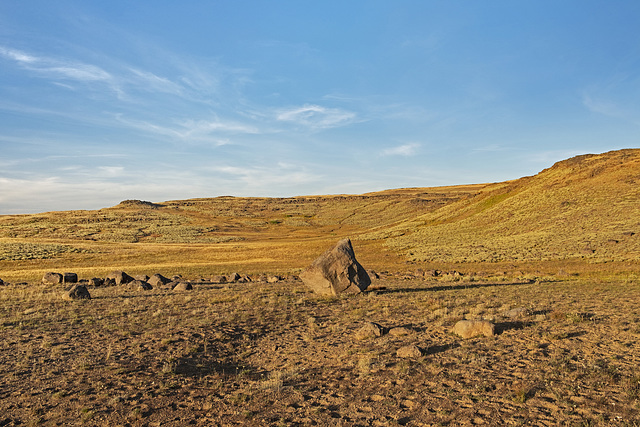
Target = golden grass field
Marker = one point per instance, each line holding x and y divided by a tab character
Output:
551	260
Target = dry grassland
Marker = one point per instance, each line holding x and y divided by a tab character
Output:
551	259
275	354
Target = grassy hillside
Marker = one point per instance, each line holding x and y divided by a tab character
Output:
584	208
214	235
587	207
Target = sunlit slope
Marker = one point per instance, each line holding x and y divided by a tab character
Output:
220	235
584	207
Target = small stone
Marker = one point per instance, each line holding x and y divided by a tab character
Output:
473	328
233	277
96	282
183	286
369	330
70	278
51	278
409	352
216	279
400	331
516	312
158	280
77	292
141	285
120	277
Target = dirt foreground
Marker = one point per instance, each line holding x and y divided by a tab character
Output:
566	352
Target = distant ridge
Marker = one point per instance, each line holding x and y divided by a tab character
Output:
586	207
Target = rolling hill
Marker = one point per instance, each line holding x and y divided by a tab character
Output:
583	208
586	207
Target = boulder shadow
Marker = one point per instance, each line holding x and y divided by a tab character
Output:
385	290
435	349
507	326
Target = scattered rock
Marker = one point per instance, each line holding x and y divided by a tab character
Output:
141	285
400	331
77	292
158	280
1	282
52	278
233	277
96	281
273	279
183	286
516	312
176	278
70	278
142	277
369	330
409	352
215	279
473	328
336	271
120	277
109	281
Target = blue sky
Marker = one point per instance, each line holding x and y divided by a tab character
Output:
161	100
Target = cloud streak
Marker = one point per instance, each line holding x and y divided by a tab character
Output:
316	117
405	150
57	68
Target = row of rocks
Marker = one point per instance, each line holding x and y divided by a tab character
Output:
119	277
141	282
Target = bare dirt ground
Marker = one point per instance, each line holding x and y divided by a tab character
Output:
566	352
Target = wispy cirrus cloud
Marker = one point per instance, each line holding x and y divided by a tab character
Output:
401	150
316	117
56	68
155	83
278	179
214	131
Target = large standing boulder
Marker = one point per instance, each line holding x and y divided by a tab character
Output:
336	271
51	278
120	277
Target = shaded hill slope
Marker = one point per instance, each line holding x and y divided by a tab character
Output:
584	207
